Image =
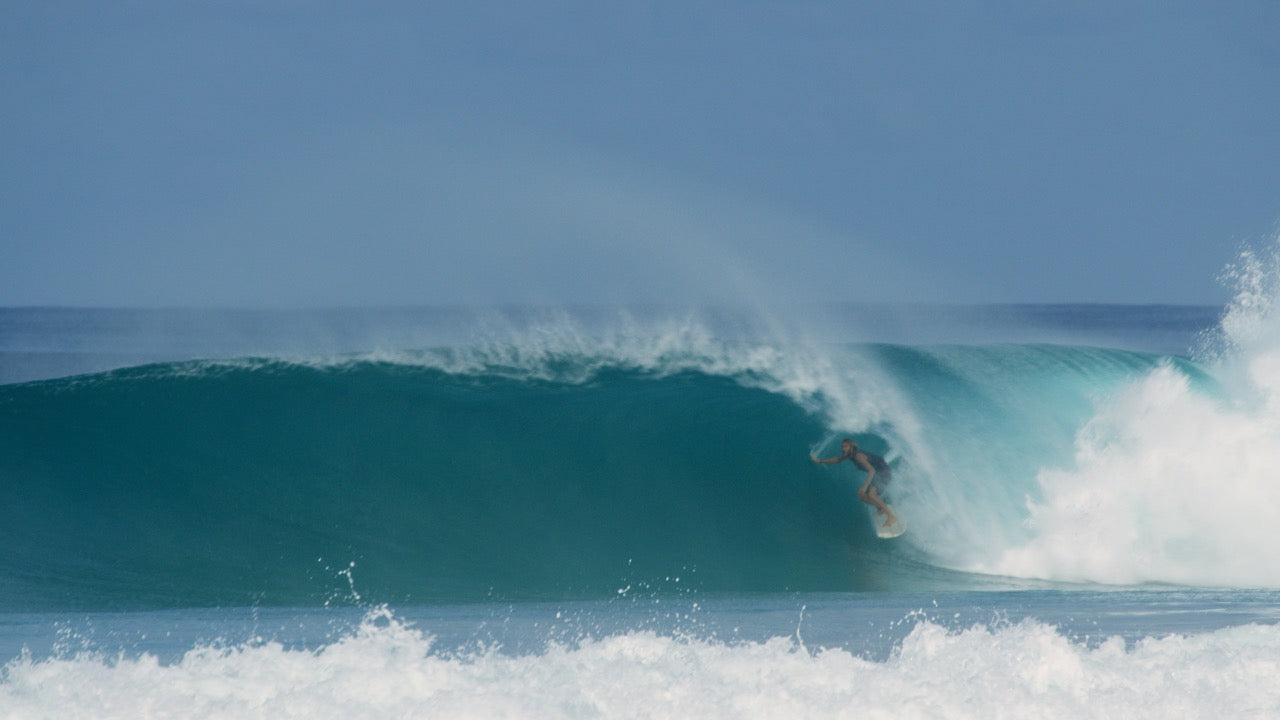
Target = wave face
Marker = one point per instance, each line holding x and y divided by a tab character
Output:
572	469
248	482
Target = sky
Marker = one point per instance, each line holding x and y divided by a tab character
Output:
280	153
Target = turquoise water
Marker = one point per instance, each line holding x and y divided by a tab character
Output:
565	475
440	514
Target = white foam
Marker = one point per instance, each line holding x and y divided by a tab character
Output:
1172	483
848	390
388	669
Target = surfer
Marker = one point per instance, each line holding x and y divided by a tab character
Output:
878	476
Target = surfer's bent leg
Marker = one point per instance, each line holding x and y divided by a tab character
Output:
872	497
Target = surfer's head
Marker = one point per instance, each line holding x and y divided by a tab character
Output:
848	444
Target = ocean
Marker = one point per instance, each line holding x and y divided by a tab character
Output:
611	512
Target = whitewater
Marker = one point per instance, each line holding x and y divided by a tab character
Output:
591	513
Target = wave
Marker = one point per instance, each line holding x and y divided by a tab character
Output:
560	463
526	470
386	667
243	482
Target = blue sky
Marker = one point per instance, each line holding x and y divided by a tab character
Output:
295	154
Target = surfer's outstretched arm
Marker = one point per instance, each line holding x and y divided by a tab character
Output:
825	461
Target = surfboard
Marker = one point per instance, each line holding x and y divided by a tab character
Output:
893	531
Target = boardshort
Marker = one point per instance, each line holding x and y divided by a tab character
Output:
880	480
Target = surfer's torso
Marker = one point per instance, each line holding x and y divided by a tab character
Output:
874	460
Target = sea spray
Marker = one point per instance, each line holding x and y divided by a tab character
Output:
1174	480
388	667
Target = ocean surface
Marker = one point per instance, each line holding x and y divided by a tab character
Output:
611	512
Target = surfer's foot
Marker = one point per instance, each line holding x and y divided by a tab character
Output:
891	521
